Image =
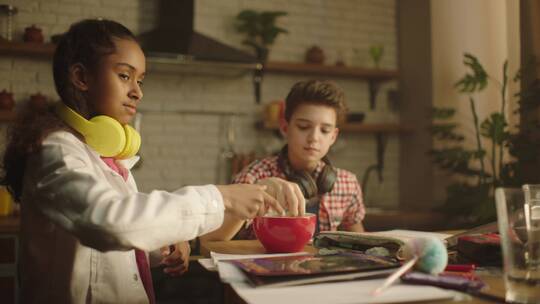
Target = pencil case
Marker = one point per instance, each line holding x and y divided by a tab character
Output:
356	242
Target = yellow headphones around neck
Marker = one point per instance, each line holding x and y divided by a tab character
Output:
103	133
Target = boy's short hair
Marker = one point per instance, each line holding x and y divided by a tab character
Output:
316	92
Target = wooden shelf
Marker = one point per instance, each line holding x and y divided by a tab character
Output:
374	77
7	116
362	128
330	70
375	128
27	49
47	50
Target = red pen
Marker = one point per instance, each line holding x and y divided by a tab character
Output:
460	267
465	275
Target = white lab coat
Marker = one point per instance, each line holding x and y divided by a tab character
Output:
80	222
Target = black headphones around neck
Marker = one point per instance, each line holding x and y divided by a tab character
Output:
310	188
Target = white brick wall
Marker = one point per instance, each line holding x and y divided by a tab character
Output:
182	128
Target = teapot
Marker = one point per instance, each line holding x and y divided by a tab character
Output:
6	101
315	55
38	101
33	34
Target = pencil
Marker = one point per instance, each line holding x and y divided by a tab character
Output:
394	276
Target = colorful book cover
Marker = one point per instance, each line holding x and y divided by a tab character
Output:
306	269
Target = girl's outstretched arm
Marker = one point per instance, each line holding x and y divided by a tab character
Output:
67	183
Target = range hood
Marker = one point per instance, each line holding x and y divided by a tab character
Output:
175	39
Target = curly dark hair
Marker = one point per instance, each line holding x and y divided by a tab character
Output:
86	43
316	92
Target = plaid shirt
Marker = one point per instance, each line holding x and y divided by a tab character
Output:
338	209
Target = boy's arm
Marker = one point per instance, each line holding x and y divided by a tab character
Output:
231	225
358	227
355	213
288	194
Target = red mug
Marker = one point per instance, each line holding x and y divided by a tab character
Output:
284	233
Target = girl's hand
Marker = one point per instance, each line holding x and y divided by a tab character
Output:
176	258
287	193
247	201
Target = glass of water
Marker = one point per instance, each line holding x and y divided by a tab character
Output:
518	217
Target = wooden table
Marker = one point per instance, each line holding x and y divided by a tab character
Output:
239	247
494	281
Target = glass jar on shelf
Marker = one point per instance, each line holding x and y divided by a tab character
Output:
6	26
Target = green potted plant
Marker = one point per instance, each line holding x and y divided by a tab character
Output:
376	52
480	172
260	28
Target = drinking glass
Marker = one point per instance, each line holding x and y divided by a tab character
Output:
518	217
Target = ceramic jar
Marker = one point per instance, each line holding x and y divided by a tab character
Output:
38	101
6	101
33	34
315	55
274	111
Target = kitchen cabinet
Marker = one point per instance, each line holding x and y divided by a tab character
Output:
9	244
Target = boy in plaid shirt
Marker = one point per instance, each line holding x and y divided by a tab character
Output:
312	111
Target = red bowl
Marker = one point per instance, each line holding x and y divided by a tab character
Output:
284	233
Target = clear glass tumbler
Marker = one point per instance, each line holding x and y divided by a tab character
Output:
518	217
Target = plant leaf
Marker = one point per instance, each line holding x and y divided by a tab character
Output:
259	26
442	113
494	127
456	159
474	81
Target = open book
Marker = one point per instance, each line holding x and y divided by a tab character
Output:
308	269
